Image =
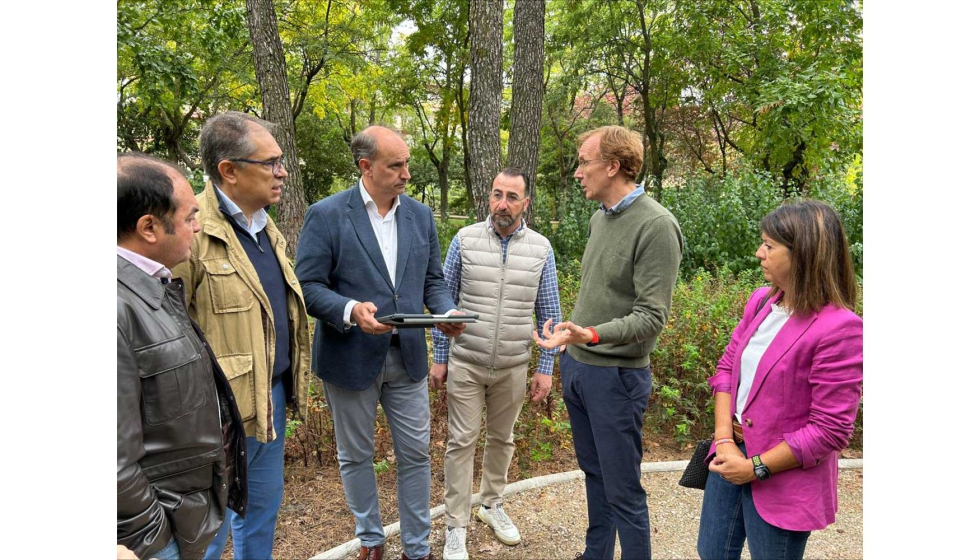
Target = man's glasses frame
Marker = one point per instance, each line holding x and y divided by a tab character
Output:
585	162
276	164
498	196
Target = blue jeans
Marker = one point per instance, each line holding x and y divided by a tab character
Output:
253	534
605	408
728	516
406	406
169	552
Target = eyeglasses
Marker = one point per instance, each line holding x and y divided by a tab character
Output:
511	198
584	162
277	164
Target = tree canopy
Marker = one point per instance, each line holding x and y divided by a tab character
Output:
717	88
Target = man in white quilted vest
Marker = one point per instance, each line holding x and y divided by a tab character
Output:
505	272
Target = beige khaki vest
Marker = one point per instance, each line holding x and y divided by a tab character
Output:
502	293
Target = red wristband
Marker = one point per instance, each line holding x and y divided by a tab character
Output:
595	337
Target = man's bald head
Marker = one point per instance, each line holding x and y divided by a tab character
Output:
364	145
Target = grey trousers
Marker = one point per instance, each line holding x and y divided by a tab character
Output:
406	406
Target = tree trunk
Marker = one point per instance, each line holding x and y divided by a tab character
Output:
270	70
528	90
486	90
443	193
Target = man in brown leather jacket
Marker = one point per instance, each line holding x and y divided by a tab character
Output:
179	438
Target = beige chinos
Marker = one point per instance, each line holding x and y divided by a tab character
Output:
469	388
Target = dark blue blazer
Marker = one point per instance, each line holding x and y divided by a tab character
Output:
338	259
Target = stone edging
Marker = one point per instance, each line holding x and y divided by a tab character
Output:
352	546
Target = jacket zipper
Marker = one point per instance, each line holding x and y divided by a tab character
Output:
500	286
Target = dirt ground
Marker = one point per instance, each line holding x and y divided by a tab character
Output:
314	515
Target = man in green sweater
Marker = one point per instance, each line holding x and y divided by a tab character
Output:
628	272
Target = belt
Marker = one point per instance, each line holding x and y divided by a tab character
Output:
737	431
396	340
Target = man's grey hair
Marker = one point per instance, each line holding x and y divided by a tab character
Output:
365	146
226	137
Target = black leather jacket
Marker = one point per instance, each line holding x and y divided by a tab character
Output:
180	445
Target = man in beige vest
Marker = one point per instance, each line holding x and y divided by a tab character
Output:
503	271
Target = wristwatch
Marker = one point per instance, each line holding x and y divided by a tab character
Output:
761	471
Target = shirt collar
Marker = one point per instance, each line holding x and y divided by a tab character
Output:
259	219
147	265
625	203
370	203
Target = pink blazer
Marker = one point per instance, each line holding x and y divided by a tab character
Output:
806	392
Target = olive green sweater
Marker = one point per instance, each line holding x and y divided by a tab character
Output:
628	273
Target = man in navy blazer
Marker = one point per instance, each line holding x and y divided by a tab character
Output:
368	252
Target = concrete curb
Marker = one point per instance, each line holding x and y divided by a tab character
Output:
352	546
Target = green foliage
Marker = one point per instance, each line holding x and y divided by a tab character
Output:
447	230
326	158
291	426
174	59
572	232
786	77
719	216
704	311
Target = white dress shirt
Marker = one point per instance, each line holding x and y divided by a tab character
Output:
386	231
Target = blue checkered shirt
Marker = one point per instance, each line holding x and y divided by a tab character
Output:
546	305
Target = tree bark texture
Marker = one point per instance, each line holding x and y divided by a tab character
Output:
528	91
270	71
486	91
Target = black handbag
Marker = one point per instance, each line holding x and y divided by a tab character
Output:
696	473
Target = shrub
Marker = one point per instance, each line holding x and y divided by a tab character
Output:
719	219
719	216
704	311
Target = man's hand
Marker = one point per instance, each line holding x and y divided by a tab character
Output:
452	330
437	376
566	332
540	387
362	315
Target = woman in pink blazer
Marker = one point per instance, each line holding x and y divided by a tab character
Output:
786	392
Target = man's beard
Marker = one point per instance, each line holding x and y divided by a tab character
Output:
504	221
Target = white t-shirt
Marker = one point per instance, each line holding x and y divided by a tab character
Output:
758	344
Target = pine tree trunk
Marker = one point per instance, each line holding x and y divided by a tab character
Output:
528	91
486	90
270	70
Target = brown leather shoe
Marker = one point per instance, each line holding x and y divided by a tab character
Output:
426	557
372	553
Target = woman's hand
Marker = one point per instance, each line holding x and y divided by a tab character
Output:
729	449
733	468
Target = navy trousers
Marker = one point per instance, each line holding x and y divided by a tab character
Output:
605	408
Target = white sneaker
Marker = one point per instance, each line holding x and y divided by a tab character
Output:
455	548
503	527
